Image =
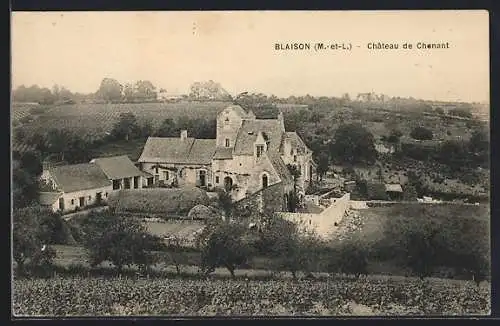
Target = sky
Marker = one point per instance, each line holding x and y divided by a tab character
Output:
237	49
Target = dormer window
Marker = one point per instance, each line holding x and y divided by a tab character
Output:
260	150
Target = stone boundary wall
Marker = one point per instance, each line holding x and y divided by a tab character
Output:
324	222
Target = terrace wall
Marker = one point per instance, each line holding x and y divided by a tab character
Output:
323	223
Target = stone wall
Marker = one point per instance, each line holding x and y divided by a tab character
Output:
323	223
267	201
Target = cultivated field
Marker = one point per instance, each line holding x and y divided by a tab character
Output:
183	297
97	119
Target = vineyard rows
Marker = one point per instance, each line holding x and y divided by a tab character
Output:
95	120
124	296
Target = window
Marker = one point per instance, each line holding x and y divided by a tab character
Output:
106	195
260	150
165	175
126	183
72	201
202	178
264	181
227	142
116	184
295	158
217	179
90	197
156	170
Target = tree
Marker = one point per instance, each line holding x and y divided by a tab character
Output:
323	165
168	128
145	90
291	247
25	188
129	93
225	202
461	112
30	162
479	141
417	244
295	172
394	136
439	110
30	238
59	142
174	251
126	127
454	154
421	133
479	145
353	144
121	240
110	90
79	150
222	245
351	257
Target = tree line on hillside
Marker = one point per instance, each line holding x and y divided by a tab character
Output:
113	91
421	246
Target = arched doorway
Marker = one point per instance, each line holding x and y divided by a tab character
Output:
228	183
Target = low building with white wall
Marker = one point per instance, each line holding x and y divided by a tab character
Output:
68	188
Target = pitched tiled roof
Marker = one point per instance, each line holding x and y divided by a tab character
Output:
48	198
296	142
176	150
238	109
78	177
202	151
117	167
223	153
249	131
280	167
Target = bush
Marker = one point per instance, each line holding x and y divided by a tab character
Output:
350	258
120	240
222	245
421	133
31	238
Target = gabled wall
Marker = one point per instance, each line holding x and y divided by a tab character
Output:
227	129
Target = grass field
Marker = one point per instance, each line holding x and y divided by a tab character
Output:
182	230
374	218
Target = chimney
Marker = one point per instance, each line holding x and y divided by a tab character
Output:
281	119
184	134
